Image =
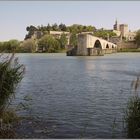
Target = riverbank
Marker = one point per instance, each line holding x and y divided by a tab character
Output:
128	50
122	50
30	127
7	119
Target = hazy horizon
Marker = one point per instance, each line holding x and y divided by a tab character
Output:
17	15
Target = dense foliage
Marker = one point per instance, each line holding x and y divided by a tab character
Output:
28	46
48	44
73	39
104	33
63	41
9	46
137	38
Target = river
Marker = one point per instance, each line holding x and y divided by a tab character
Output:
76	96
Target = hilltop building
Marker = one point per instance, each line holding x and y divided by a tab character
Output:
37	35
122	30
58	34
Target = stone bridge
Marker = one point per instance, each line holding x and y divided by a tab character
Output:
89	45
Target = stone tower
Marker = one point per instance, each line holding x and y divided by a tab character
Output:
124	29
116	26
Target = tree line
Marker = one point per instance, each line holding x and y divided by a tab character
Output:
48	43
75	28
9	46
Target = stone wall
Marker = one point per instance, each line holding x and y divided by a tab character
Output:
130	45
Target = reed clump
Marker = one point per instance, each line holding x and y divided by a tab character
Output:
11	73
132	115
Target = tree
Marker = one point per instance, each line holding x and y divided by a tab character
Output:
73	39
6	46
9	46
28	46
49	44
49	27
137	38
63	41
31	29
1	47
104	33
79	28
62	27
42	43
73	29
55	27
90	28
14	44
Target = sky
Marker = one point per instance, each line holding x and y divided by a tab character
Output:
15	16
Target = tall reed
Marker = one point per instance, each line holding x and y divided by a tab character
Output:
132	116
11	73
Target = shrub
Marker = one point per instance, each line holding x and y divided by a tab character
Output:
11	73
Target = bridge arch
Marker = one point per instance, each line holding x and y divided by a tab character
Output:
97	44
107	46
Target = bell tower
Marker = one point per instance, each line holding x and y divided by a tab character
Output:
116	26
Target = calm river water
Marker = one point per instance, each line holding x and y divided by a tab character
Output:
76	97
